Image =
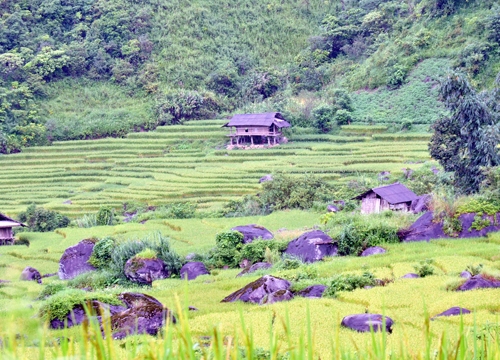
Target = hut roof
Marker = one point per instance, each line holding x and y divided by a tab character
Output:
6	222
394	194
264	119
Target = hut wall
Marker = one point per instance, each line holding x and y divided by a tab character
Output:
5	233
370	204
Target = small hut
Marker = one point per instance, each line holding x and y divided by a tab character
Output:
257	129
396	197
6	225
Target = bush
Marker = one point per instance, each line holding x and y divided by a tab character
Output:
256	250
348	282
101	253
479	222
146	254
227	249
51	289
105	216
22	240
424	268
288	262
249	205
178	210
355	237
452	226
87	221
41	220
95	280
474	269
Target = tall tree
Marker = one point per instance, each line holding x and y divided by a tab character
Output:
466	142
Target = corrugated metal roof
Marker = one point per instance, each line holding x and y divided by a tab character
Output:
394	194
5	219
264	119
8	224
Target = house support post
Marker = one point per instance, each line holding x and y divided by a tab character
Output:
251	139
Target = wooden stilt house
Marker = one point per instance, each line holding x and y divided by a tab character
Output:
257	129
396	197
6	225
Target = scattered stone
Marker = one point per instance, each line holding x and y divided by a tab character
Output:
368	287
479	282
314	291
256	291
277	296
312	246
435	170
252	232
365	322
410	276
374	250
77	315
454	311
407	172
265	178
254	268
74	260
192	270
332	208
144	315
190	256
384	176
421	204
145	271
67	202
465	274
31	274
192	308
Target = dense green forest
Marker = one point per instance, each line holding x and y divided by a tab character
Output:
82	69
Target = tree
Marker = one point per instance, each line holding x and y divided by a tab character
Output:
466	142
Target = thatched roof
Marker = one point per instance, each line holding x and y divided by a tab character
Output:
394	194
7	222
264	119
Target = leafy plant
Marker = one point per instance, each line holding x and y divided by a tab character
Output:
146	254
227	249
355	237
424	268
105	216
452	226
101	253
41	220
479	222
348	282
288	262
257	249
474	269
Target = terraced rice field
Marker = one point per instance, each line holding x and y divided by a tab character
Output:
182	163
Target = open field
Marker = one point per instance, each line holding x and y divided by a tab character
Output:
406	301
179	163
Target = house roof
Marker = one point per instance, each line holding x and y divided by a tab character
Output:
6	222
263	119
394	194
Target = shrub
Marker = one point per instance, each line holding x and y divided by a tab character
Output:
41	220
105	216
355	237
178	210
227	249
348	282
256	250
288	262
304	272
101	253
96	280
146	254
249	205
474	269
452	226
424	268
51	289
22	240
479	222
87	221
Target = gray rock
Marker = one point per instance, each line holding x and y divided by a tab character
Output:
410	276
421	204
314	291
254	268
465	274
31	274
256	291
265	178
454	311
332	208
145	271
374	250
67	202
192	270
384	176
190	256
479	282
74	260
277	296
252	231
144	315
312	246
366	322
77	315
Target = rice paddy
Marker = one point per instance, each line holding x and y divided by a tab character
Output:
188	163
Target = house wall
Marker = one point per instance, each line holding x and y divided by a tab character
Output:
372	204
5	233
254	130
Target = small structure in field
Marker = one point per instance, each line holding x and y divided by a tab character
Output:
6	225
396	197
257	129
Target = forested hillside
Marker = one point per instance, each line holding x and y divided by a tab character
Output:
80	69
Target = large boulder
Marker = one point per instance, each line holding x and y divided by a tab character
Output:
254	268
31	274
478	282
144	315
277	296
425	228
454	311
313	291
77	315
312	246
192	270
145	271
252	232
258	291
374	250
421	204
367	322
75	260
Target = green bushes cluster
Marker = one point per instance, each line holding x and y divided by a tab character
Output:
42	220
424	268
177	210
101	253
355	237
348	282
